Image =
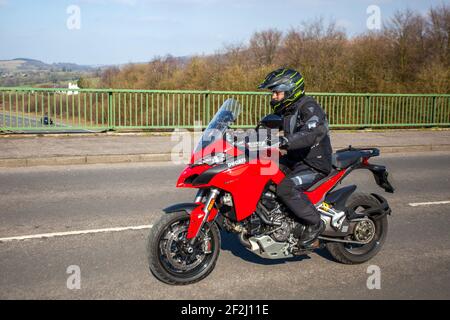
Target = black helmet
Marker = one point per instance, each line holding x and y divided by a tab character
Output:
287	80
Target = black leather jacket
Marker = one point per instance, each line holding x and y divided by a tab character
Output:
305	126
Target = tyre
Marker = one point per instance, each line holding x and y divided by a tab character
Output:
378	227
172	260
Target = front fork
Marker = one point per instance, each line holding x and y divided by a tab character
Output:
201	214
200	195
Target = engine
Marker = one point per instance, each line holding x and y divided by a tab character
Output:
269	232
272	210
270	218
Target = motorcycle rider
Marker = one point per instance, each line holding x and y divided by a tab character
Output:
306	139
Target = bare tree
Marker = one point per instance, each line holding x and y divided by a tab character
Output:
438	33
264	45
406	34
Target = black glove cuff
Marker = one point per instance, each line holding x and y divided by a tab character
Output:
283	142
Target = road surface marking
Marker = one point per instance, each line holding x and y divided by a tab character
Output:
71	233
416	204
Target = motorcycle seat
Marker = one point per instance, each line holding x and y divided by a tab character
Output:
322	181
344	159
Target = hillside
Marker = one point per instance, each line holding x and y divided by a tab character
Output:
24	64
24	71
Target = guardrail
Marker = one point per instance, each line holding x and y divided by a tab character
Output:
23	109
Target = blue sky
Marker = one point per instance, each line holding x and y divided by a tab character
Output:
123	31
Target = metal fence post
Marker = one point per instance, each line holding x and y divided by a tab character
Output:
208	106
366	110
433	112
110	111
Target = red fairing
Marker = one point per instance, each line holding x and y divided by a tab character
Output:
189	172
318	194
245	183
220	146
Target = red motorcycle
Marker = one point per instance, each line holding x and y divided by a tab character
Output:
234	195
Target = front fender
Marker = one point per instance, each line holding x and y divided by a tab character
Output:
186	206
195	210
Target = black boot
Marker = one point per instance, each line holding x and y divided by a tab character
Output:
310	234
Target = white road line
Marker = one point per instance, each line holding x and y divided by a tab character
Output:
416	204
71	233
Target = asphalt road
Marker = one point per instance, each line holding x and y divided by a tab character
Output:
18	121
414	262
14	120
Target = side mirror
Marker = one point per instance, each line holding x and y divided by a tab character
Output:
272	121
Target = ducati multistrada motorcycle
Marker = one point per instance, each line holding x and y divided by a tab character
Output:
234	195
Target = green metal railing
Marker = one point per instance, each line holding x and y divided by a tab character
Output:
23	109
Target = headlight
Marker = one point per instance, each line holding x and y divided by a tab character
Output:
211	160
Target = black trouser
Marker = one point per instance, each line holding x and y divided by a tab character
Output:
291	189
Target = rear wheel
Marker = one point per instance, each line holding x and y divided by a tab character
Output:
172	260
372	230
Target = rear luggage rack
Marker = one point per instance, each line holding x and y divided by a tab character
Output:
365	152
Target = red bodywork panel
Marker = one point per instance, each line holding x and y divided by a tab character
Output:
189	172
317	195
244	181
246	184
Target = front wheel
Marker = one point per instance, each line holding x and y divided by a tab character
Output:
373	230
172	260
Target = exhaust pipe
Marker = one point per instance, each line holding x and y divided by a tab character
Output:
244	241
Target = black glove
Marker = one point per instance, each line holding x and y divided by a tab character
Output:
283	142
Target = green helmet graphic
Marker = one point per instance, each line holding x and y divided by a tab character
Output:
289	81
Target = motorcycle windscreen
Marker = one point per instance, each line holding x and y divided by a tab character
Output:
224	117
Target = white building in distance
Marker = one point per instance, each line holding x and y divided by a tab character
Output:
72	86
